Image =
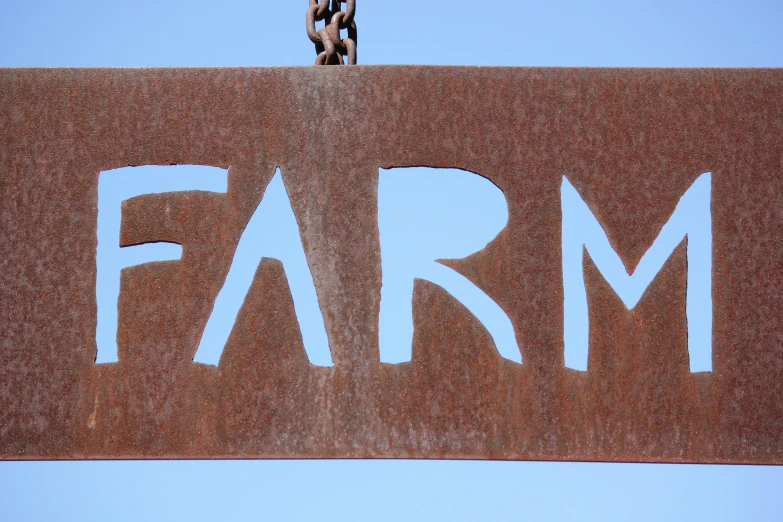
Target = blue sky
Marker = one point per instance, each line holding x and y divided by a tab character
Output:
492	32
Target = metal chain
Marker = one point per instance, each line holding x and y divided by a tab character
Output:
328	44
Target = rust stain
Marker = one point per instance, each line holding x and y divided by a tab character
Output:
631	141
93	415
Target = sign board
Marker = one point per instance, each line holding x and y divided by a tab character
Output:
685	162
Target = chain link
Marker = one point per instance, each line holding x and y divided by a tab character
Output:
328	45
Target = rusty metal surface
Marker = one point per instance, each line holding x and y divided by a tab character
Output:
631	142
329	47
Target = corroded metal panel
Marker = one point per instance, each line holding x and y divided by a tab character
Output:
631	141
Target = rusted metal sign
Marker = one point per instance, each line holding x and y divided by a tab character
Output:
632	143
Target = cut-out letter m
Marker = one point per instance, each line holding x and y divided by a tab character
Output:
691	219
